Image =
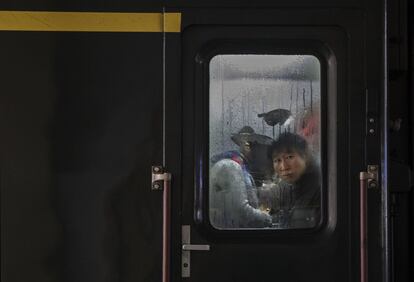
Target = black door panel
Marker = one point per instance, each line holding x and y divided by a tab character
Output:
326	253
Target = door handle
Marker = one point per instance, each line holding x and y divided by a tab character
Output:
189	247
367	179
162	181
186	249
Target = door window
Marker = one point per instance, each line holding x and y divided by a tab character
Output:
264	141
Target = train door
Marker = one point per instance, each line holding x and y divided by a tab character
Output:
249	79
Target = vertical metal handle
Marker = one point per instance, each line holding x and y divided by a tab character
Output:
363	235
366	180
162	181
166	231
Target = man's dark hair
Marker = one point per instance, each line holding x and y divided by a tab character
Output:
289	142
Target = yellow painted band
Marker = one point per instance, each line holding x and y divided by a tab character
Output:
89	22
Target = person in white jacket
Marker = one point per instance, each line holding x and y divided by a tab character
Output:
233	201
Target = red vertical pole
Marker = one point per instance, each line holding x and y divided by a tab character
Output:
166	231
363	228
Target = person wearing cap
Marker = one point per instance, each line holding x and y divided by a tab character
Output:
298	194
233	198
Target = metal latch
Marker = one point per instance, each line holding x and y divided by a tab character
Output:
158	177
371	176
186	248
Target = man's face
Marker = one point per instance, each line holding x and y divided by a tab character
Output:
289	166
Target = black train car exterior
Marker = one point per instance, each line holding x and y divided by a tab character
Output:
94	94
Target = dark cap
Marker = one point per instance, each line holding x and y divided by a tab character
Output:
247	134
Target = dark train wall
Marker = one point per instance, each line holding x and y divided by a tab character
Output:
80	117
76	154
401	149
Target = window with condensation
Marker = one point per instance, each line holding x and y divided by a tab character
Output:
264	141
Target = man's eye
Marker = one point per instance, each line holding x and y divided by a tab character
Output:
290	157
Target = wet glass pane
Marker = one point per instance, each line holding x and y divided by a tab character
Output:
264	141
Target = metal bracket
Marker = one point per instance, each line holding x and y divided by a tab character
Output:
186	248
158	177
371	175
